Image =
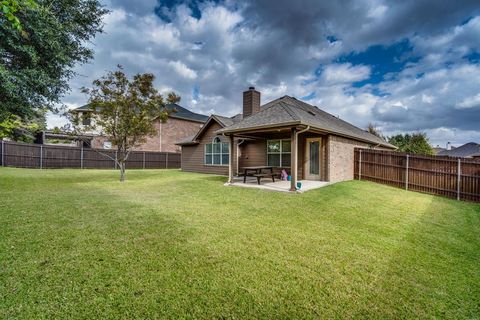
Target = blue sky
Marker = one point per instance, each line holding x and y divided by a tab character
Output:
402	65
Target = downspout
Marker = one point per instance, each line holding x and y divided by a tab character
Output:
296	146
160	135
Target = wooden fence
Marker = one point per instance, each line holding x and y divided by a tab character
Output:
25	155
451	177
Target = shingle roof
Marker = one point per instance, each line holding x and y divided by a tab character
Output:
186	140
181	112
467	150
290	111
223	121
83	108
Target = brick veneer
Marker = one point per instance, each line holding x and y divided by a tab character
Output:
168	134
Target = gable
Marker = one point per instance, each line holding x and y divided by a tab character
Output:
208	130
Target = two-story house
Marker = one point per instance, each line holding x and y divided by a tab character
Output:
181	123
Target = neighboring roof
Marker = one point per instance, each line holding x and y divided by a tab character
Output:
181	112
467	150
290	111
221	120
436	150
82	108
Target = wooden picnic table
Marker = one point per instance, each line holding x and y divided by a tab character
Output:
256	171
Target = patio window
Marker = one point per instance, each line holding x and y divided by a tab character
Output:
216	153
278	153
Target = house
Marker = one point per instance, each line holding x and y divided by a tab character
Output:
284	133
468	150
181	123
438	149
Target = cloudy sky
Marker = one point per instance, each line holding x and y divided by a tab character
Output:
404	65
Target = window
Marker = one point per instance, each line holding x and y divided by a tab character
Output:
217	153
278	153
87	120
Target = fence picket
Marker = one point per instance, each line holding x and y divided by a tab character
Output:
27	155
457	178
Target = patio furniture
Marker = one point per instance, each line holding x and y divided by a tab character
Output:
256	172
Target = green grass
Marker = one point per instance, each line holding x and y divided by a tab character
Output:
167	244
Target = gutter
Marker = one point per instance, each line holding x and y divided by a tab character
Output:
268	126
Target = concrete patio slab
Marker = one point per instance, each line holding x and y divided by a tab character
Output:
280	185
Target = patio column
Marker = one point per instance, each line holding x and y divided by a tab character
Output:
230	158
293	160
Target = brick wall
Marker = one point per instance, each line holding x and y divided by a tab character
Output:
168	134
341	157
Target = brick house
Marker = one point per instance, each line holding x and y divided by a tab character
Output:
181	123
285	133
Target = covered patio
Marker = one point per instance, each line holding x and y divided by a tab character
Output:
299	150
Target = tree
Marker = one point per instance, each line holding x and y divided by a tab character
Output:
124	111
412	143
16	129
372	128
9	10
37	63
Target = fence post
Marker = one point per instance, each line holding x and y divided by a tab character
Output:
81	158
166	160
41	156
406	173
143	160
3	153
360	164
459	178
116	159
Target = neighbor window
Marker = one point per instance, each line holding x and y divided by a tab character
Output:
216	153
87	120
278	153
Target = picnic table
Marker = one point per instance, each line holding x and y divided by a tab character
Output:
256	171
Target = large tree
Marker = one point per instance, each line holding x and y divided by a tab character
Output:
372	128
37	61
124	111
412	143
10	8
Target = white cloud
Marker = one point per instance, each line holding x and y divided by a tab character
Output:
181	69
470	102
344	74
277	46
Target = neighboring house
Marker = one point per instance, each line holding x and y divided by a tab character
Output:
438	149
283	133
468	150
181	123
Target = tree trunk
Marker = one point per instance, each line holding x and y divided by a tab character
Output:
122	170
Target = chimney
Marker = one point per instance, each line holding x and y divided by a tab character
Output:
449	146
251	102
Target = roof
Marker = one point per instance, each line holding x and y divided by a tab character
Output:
183	113
290	111
187	140
83	108
221	120
436	150
180	112
467	150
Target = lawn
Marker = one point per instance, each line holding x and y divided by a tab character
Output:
168	244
